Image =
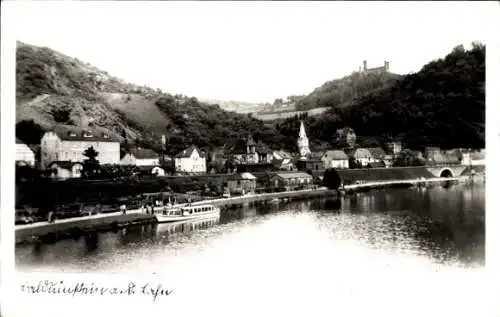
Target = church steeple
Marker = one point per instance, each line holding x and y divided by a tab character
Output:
303	142
250	144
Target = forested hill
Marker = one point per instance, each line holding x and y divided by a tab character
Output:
441	105
53	88
342	92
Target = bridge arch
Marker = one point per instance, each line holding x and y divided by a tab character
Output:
446	172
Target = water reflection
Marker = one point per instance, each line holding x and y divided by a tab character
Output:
441	225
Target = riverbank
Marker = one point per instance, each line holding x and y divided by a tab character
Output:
63	228
101	222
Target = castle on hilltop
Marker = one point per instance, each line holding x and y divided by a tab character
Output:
381	69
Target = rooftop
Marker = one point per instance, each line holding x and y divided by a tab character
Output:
293	175
335	155
73	133
141	153
189	151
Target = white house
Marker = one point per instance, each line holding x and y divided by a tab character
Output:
67	143
363	156
335	159
191	160
140	157
474	158
65	169
24	154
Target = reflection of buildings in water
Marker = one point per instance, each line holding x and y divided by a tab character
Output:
366	202
176	229
333	204
304	206
38	249
134	234
91	243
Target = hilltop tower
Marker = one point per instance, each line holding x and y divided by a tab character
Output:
303	142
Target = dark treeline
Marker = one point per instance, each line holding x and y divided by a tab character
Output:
441	105
208	126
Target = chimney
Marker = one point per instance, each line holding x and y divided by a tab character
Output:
386	66
365	63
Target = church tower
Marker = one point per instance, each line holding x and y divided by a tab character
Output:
303	142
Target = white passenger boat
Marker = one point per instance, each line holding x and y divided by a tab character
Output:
186	212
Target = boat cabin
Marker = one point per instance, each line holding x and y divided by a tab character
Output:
188	210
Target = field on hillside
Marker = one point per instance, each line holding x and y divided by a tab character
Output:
289	114
139	109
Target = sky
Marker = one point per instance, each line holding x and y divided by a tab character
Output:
248	51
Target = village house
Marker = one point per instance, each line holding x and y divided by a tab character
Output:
389	160
291	180
65	169
312	164
436	156
283	160
377	153
151	170
24	154
191	160
250	152
67	143
243	183
140	157
363	156
335	159
245	152
474	158
378	156
393	148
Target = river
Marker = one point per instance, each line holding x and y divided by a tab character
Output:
397	236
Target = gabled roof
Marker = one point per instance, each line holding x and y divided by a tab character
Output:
362	153
140	153
335	155
282	154
242	176
316	155
293	175
247	175
189	151
73	133
376	152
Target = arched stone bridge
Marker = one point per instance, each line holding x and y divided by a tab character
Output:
446	170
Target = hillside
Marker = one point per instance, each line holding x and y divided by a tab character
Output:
236	106
342	92
441	105
53	88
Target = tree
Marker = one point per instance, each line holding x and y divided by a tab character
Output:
61	115
29	132
407	158
331	179
91	165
